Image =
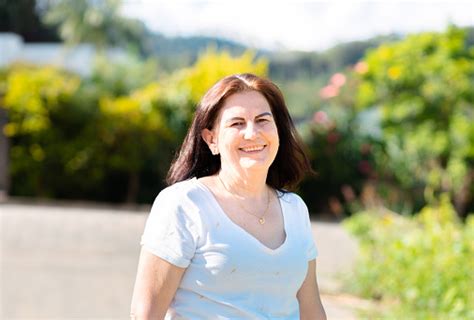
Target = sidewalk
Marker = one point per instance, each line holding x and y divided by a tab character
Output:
60	262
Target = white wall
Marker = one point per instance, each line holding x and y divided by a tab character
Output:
78	59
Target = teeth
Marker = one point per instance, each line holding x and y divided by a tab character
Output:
250	149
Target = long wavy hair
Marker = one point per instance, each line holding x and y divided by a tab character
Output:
194	158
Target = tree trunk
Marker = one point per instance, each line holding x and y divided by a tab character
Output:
462	198
133	186
4	146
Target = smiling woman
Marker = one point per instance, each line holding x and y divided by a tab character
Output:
195	159
226	239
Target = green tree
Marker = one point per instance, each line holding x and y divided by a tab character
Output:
23	18
212	66
422	87
134	128
95	22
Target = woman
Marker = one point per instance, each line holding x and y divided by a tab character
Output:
226	240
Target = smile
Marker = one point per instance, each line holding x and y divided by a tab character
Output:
253	148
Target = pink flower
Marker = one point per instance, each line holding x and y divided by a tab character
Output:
361	67
320	117
329	91
338	79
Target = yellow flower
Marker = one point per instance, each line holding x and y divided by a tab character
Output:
394	72
10	129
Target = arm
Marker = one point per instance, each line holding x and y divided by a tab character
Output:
308	296
155	286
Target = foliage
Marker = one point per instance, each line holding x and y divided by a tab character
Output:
343	160
31	94
363	151
212	66
44	122
422	87
134	129
69	141
23	18
181	52
342	144
96	22
421	267
125	74
297	65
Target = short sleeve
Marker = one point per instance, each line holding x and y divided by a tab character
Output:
169	231
309	245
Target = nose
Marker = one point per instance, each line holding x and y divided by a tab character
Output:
250	131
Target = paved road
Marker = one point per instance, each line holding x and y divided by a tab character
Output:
62	262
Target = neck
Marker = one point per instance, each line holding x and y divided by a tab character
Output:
244	184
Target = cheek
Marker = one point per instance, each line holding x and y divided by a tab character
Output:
275	141
229	140
272	134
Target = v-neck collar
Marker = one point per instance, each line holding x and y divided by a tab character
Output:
267	249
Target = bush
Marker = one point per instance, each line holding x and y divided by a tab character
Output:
342	143
422	87
44	119
421	265
343	160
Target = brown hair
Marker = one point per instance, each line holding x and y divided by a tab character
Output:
196	160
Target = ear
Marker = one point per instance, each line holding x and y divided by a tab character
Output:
210	137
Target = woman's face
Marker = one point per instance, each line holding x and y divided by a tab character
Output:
245	133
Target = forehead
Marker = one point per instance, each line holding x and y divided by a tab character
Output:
247	103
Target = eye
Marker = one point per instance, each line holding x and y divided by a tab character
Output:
237	124
262	120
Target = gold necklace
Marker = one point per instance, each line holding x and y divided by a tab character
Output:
261	219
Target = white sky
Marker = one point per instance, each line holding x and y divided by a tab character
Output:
299	25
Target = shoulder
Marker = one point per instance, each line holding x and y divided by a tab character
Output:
185	197
295	205
179	192
292	199
180	202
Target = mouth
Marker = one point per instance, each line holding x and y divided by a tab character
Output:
253	149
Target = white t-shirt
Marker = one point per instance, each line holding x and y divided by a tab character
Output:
230	274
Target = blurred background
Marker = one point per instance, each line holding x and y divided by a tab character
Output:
96	97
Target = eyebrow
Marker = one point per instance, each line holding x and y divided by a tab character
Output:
256	117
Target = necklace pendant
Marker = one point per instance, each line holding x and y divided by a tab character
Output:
261	220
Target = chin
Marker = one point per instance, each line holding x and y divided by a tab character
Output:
254	164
